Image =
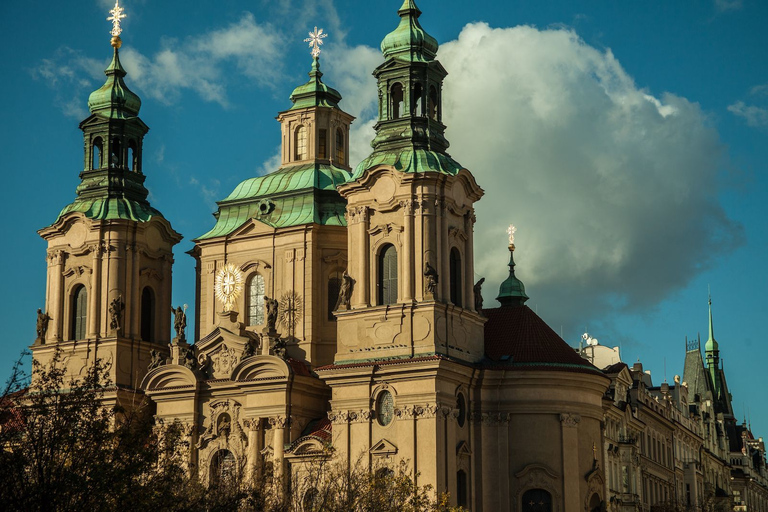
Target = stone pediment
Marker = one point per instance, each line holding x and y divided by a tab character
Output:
169	376
253	226
222	350
383	448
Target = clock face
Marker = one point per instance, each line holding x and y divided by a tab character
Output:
228	285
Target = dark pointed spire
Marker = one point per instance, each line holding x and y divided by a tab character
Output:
512	290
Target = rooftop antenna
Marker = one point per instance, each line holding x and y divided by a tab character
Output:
665	369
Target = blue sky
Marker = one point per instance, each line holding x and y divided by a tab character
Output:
626	140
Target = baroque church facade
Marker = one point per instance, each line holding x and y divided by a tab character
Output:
335	306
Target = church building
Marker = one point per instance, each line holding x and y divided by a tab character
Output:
335	305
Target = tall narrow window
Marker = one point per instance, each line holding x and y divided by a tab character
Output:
334	286
461	488
301	152
340	151
114	157
433	102
133	162
148	314
255	299
417	97
397	101
322	146
388	275
79	313
96	155
536	500
455	276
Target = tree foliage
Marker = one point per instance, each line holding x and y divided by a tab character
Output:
65	446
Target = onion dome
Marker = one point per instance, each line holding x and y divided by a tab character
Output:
114	99
409	41
315	93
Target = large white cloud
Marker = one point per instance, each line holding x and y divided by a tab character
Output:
614	191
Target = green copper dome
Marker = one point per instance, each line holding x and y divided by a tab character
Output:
512	290
114	99
315	93
409	41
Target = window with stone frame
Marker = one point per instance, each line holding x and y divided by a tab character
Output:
255	300
387	282
79	313
301	150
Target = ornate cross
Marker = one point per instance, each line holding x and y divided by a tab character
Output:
511	230
117	15
315	39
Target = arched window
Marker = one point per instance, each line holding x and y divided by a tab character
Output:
311	500
255	300
340	152
537	500
98	147
301	152
133	161
148	314
455	261
388	275
417	97
397	101
433	102
79	313
334	286
322	146
223	468
461	488
114	158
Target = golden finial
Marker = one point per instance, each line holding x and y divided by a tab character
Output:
511	230
315	39
117	16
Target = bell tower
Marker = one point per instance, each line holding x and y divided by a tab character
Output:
411	217
108	292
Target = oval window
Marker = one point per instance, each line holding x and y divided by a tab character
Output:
461	405
385	408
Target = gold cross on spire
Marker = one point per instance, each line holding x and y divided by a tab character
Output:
315	39
117	16
511	230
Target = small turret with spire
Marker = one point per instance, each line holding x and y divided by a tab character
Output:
512	290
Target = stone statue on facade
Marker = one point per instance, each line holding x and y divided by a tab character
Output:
157	360
249	351
279	348
179	322
345	291
271	306
190	361
430	281
477	289
116	308
42	326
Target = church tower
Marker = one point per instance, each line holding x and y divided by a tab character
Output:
409	333
110	253
411	219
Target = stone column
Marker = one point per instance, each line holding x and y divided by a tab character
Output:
469	264
448	416
504	467
445	252
56	295
279	423
134	302
95	292
408	250
570	470
428	243
254	447
359	244
490	458
113	288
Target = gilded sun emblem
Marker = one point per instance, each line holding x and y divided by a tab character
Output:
228	285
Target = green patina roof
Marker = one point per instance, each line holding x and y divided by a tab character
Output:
290	196
112	208
711	344
512	290
315	93
114	99
410	160
409	41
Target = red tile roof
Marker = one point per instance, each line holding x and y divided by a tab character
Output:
518	335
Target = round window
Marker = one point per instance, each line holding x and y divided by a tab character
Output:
385	408
461	405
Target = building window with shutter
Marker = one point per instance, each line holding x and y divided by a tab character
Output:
387	282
